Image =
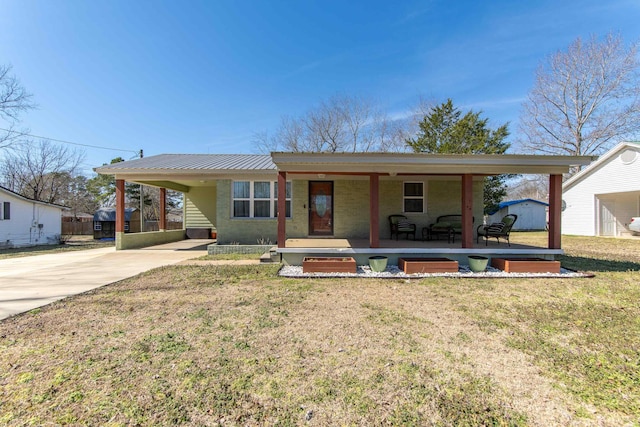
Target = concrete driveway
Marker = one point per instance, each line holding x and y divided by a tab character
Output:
33	281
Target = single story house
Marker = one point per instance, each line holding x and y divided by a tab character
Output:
28	222
328	198
104	222
532	214
602	198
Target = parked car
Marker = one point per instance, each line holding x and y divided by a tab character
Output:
634	225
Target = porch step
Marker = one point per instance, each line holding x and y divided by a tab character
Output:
270	257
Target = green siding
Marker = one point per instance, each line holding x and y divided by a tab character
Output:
200	207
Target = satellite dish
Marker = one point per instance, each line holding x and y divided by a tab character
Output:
564	205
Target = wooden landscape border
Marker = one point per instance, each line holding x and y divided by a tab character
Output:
427	265
526	265
329	265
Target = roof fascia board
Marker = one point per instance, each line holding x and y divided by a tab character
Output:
390	163
429	169
174	175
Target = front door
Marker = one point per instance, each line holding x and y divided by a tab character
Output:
320	208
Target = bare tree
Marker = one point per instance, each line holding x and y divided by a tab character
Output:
76	196
41	171
396	131
529	187
584	99
340	124
14	99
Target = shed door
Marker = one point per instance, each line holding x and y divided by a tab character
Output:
607	218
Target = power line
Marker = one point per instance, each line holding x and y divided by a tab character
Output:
137	152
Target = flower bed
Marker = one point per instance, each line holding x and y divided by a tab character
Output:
329	265
427	265
526	265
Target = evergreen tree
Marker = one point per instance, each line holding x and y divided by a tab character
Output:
445	130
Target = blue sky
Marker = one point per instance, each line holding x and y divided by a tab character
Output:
204	76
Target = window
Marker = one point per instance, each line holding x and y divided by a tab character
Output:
262	199
258	199
97	226
126	226
5	208
241	199
413	197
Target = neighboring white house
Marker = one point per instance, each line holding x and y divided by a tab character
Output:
27	222
532	214
601	199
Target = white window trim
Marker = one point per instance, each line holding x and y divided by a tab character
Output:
252	199
97	226
423	197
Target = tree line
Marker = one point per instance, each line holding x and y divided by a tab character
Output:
583	100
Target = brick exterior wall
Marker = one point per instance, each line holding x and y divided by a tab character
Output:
351	210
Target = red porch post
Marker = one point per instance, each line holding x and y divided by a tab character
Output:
162	225
374	210
555	212
467	210
282	208
119	205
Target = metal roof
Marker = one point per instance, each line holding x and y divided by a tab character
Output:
515	202
192	162
109	214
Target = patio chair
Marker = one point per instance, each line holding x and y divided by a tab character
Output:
400	224
498	230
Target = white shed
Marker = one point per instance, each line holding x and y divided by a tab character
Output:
27	222
601	199
532	214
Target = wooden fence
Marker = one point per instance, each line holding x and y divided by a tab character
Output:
86	228
77	228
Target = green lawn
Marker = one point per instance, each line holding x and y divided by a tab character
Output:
222	345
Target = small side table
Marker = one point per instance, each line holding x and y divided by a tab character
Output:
426	233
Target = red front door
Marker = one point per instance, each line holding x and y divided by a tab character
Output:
320	208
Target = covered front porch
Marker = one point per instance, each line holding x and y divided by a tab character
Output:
379	168
296	249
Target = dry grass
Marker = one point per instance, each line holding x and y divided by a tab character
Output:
222	345
75	243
